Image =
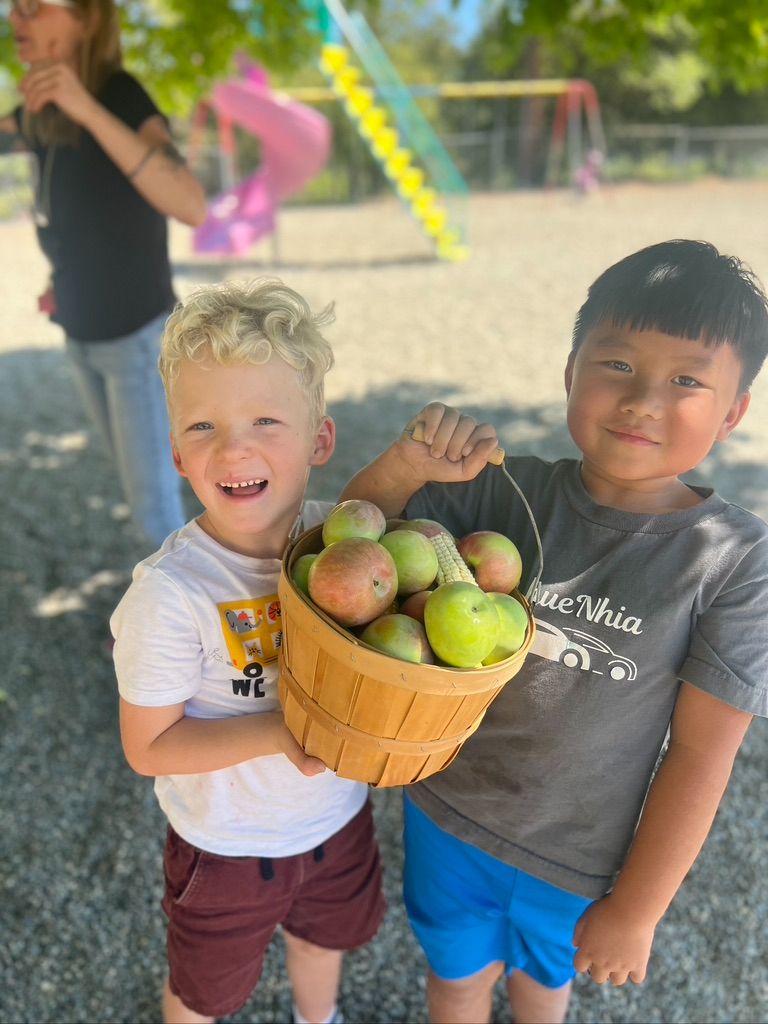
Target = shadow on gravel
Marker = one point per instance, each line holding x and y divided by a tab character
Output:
80	835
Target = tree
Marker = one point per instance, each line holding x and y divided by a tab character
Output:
180	47
731	39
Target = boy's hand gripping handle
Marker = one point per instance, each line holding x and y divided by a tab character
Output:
416	432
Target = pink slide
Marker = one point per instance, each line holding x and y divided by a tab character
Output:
295	144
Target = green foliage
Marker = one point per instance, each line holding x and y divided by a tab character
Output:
178	48
730	38
655	168
650	60
419	38
15	182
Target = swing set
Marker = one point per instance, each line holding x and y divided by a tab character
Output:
296	139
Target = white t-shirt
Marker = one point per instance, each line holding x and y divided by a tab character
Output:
200	624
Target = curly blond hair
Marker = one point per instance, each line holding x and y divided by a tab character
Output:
247	322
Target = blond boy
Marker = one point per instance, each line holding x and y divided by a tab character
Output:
260	835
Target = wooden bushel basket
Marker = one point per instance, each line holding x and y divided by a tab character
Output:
368	716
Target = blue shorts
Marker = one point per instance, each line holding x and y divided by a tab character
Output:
469	910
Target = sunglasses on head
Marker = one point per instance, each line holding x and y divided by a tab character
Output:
30	8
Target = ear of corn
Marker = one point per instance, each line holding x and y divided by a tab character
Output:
450	565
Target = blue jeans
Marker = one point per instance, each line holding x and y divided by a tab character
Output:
123	394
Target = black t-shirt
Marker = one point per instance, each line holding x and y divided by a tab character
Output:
107	246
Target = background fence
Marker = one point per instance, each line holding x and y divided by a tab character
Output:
497	145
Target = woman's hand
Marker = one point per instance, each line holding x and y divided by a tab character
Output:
164	180
56	82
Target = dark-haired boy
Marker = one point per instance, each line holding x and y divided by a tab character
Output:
552	830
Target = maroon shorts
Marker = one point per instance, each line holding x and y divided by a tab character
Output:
223	911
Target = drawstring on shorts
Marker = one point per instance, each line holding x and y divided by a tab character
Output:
267	868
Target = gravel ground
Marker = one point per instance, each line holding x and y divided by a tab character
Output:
80	835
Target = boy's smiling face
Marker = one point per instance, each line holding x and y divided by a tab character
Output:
645	407
243	436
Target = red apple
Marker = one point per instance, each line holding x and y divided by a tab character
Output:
513	619
354	580
415	558
399	636
462	624
300	572
429	527
353	518
414	605
494	560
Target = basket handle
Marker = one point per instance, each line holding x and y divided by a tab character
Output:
415	430
534	584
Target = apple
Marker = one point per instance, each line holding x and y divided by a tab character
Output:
415	558
354	580
399	636
494	560
414	605
429	527
353	518
394	524
462	624
300	572
514	625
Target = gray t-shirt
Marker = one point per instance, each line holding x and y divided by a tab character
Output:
629	604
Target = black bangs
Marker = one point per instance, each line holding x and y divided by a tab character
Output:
686	289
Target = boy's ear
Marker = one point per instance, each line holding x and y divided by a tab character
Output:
568	375
177	458
325	442
734	417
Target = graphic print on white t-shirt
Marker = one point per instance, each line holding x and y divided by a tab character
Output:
253	629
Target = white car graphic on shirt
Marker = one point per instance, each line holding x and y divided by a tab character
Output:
576	649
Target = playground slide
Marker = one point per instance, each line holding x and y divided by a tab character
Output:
400	138
295	145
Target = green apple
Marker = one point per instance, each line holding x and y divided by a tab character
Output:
462	624
514	625
415	558
353	518
399	636
300	572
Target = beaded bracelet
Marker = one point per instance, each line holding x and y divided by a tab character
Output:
144	160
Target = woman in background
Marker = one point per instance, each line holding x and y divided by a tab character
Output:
108	177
